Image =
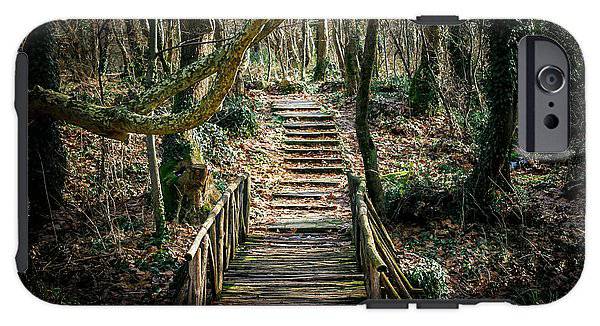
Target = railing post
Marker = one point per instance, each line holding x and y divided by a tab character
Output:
215	244
247	190
214	252
203	271
226	229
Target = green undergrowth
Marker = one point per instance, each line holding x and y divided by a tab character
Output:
431	277
416	191
237	117
399	86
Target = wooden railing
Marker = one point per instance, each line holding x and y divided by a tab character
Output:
375	251
215	244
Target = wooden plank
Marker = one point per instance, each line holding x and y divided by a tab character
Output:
303	227
295	150
295	108
306	207
309	125
319	182
301	194
316	169
308	159
312	142
312	134
305	115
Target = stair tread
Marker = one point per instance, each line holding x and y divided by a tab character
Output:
309	126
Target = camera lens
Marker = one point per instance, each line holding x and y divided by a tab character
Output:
551	79
551	121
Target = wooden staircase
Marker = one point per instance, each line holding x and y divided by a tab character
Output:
305	254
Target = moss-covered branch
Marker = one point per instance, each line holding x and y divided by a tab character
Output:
118	121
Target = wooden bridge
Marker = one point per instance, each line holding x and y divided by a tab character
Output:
309	253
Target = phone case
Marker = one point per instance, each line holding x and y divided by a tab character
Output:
293	161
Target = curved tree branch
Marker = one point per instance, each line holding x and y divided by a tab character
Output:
116	122
195	72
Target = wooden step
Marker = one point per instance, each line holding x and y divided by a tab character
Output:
314	182
312	142
308	159
301	194
317	169
306	226
305	115
304	207
294	102
293	150
296	107
306	125
314	134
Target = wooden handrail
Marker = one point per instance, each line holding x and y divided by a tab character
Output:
215	244
375	251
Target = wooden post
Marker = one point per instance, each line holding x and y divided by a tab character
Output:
239	222
241	219
234	222
203	271
226	223
220	246
374	282
247	203
230	225
214	255
195	277
216	242
389	287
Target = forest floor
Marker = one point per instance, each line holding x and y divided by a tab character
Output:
98	249
531	251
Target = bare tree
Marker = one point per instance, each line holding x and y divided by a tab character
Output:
46	181
351	57
322	45
501	91
365	141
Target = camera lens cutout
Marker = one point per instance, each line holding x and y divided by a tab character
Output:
551	79
551	121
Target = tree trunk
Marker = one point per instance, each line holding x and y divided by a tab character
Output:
322	43
45	153
351	60
181	153
385	57
124	54
423	97
304	49
134	47
365	141
158	208
338	48
269	60
501	93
